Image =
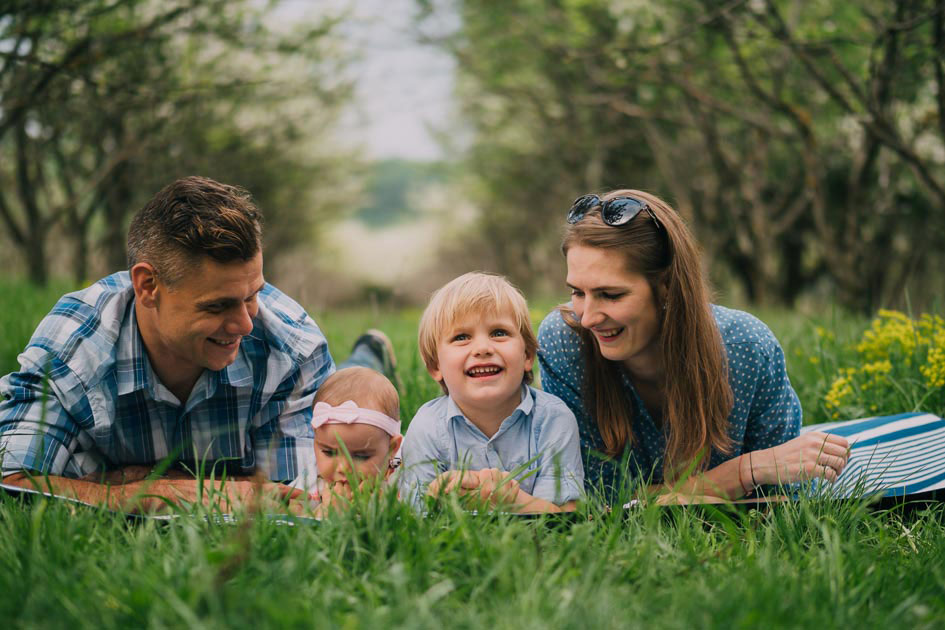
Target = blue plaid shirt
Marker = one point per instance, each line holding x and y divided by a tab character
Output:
86	398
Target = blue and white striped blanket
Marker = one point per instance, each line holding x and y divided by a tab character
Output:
892	456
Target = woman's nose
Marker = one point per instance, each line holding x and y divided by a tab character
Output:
591	316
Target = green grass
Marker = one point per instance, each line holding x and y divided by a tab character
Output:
809	564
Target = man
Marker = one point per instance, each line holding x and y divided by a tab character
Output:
187	363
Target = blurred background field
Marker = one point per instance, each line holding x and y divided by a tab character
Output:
393	144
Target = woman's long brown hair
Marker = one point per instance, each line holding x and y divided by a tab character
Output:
697	397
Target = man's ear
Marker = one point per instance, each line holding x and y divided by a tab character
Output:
145	282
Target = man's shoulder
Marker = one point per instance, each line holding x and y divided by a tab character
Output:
82	329
286	326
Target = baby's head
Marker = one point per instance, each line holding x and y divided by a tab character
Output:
358	408
476	337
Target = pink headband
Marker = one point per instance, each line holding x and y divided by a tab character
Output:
348	412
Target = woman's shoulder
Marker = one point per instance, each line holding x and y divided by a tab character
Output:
744	332
556	340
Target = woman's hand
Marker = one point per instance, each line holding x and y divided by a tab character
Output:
811	455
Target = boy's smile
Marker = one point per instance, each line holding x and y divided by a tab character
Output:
481	359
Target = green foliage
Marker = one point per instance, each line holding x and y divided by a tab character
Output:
104	103
802	141
381	565
900	366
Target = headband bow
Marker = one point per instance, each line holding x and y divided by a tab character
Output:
348	412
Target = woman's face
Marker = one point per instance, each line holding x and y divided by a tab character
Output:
616	305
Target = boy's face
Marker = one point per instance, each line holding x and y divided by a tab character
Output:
370	449
482	360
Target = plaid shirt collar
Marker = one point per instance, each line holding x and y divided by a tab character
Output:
136	373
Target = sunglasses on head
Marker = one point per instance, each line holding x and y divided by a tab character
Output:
614	212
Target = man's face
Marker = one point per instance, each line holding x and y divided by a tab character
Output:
201	319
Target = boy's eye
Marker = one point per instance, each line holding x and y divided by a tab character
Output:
460	337
500	332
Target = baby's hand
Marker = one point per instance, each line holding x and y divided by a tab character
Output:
461	481
497	487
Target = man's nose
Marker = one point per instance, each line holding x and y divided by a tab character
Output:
240	322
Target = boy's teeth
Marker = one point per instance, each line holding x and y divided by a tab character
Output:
484	370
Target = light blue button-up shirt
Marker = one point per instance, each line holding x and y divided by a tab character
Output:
539	442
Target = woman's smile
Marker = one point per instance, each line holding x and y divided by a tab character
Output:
616	305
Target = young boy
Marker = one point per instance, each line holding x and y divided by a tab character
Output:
356	410
477	342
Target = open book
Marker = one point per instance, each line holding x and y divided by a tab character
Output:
892	456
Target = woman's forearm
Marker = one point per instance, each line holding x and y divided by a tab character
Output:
729	480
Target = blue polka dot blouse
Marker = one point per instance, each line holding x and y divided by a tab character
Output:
766	410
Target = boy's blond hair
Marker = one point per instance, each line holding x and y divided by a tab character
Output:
368	388
473	293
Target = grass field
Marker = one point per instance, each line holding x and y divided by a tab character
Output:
810	564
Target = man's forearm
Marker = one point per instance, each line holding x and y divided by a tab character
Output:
143	494
152	495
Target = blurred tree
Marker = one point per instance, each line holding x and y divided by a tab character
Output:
802	140
103	102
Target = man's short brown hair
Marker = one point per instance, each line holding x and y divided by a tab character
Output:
191	218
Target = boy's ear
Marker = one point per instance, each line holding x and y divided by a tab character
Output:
529	361
435	373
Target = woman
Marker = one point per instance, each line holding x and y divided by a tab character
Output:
667	387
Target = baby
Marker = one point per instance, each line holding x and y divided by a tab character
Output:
356	410
491	435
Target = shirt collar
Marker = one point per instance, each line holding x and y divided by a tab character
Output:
134	370
136	373
453	412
